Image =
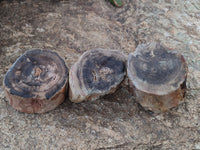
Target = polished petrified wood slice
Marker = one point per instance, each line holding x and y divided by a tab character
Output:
157	76
36	82
96	73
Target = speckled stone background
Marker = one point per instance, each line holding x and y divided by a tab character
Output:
116	121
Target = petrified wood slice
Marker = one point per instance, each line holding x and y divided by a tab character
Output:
157	76
96	73
36	82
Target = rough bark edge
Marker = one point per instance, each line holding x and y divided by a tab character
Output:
33	105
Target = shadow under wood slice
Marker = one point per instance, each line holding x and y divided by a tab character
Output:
36	82
96	73
157	76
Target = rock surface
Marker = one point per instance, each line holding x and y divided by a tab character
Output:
96	73
157	76
115	121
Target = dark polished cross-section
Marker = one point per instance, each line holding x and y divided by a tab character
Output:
97	72
37	74
157	76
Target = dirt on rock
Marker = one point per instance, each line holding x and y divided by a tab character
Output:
115	121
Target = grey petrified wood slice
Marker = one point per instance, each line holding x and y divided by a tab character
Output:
36	82
96	73
157	76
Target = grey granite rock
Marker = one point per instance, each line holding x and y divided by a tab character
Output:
115	121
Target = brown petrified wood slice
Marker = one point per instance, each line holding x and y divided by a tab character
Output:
96	73
36	82
157	76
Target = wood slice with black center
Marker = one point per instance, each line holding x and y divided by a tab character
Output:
36	82
96	73
157	76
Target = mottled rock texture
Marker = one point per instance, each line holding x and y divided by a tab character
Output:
115	121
